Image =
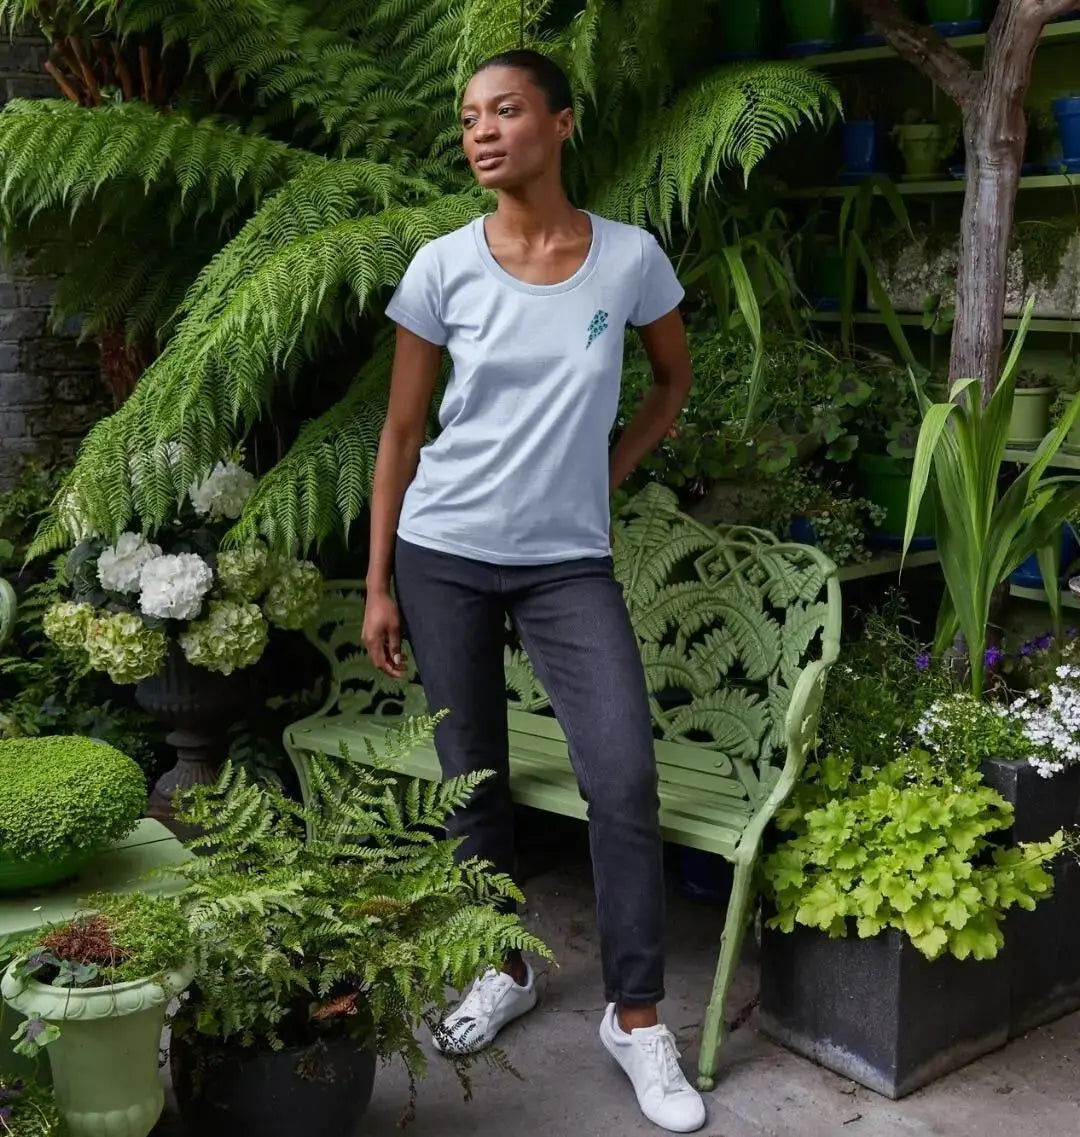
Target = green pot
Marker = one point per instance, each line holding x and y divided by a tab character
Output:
1030	419
22	875
1072	439
887	484
105	1062
812	21
925	146
746	28
953	11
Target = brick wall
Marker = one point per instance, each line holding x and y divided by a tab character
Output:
50	387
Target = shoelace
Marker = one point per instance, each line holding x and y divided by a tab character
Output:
665	1056
481	1000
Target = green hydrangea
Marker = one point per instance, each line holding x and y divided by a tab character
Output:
124	647
67	624
294	597
244	573
232	636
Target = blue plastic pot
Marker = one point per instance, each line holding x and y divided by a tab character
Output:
1067	113
1028	575
859	146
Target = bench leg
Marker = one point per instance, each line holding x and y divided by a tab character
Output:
738	916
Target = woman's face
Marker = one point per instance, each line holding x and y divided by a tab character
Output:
510	136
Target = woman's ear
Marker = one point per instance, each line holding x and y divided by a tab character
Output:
565	125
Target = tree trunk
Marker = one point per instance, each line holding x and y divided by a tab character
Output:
991	102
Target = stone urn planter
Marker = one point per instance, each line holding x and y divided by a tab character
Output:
197	706
105	1061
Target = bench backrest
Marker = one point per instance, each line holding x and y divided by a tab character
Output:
727	620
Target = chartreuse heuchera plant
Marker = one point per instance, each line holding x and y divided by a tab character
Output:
61	793
130	599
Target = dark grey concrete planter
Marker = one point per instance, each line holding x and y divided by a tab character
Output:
877	1011
1042	946
1042	805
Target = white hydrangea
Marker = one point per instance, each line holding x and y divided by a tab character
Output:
223	492
173	586
119	565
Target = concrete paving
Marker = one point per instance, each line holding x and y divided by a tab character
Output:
568	1086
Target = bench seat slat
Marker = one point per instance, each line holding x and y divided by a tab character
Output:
689	816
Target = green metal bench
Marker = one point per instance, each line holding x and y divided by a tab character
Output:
737	634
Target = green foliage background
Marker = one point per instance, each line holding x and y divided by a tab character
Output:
250	223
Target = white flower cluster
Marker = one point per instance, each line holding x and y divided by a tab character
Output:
120	565
1051	722
173	586
223	492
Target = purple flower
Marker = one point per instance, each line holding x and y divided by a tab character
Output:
922	660
5	1115
1072	633
1026	649
1043	642
993	656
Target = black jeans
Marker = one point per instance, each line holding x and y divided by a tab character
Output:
573	623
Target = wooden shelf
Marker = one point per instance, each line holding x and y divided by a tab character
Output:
887	564
1064	31
953	186
1038	596
1064	460
911	320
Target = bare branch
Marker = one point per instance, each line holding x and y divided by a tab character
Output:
925	49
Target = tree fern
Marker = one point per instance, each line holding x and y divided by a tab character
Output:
308	149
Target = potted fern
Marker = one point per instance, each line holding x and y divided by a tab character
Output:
317	955
93	992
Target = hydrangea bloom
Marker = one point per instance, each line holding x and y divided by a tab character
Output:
119	565
66	624
244	573
233	635
173	586
223	492
293	598
124	647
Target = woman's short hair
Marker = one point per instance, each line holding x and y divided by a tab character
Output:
542	70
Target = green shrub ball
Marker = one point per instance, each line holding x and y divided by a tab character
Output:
62	792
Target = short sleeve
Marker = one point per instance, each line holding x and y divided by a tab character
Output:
659	290
417	302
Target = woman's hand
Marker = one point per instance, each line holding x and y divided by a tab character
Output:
382	634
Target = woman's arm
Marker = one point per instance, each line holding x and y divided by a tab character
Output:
412	382
669	356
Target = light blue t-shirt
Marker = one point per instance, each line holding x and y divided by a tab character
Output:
519	473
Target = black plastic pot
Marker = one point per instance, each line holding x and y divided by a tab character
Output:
318	1090
879	1012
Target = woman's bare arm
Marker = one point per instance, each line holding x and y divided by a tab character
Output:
669	355
412	383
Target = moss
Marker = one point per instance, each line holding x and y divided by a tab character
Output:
64	792
27	1109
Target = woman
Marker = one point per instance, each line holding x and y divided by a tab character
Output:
507	512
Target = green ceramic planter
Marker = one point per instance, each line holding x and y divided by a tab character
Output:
1072	439
105	1062
1030	419
814	21
924	146
953	11
22	875
888	481
746	28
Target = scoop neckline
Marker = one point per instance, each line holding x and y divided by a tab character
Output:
583	271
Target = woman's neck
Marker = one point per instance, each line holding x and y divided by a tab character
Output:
534	212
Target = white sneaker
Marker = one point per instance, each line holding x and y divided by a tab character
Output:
494	1000
650	1060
